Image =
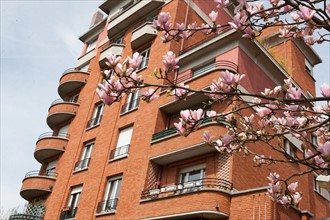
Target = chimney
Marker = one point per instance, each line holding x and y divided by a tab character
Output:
97	17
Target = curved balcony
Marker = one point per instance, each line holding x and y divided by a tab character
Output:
210	195
49	145
71	80
25	217
37	184
61	111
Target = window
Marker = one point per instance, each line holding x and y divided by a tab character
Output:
132	102
192	176
308	67
71	209
111	195
314	140
123	143
97	116
145	54
74	98
51	167
91	46
289	148
85	157
324	192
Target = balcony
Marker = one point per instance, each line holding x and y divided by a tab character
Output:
71	80
107	206
49	145
61	111
187	187
25	217
216	66
114	48
130	106
208	198
143	34
37	184
130	14
119	152
82	164
68	213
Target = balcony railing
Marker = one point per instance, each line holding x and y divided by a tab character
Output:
58	101
107	205
93	122
187	187
82	164
25	217
37	173
119	151
68	214
171	131
164	133
54	135
218	65
130	106
72	70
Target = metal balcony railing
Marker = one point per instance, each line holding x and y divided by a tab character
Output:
170	131
107	205
69	213
25	217
218	65
93	122
73	70
119	151
130	106
58	101
82	164
36	173
55	135
186	187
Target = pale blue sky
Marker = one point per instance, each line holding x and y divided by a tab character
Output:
39	40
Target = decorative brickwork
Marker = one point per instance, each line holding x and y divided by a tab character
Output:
223	167
152	176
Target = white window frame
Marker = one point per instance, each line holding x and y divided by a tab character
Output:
74	196
97	115
124	140
85	156
185	173
111	193
132	101
51	167
323	192
145	60
289	148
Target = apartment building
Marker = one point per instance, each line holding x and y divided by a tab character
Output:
127	161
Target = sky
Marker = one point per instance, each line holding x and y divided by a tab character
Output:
39	40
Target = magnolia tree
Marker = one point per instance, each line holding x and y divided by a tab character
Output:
277	112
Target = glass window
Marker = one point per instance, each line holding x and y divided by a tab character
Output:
70	211
85	156
192	176
97	116
289	148
145	54
111	195
51	167
132	101
123	143
91	46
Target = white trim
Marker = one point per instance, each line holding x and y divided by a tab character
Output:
220	214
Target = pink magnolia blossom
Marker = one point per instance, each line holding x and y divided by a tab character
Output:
226	139
213	16
135	61
325	150
320	162
207	138
294	93
306	13
308	153
296	198
170	62
285	200
273	177
162	19
236	23
196	114
149	95
222	3
292	187
112	60
179	93
248	33
263	111
274	189
180	127
259	160
211	114
325	90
